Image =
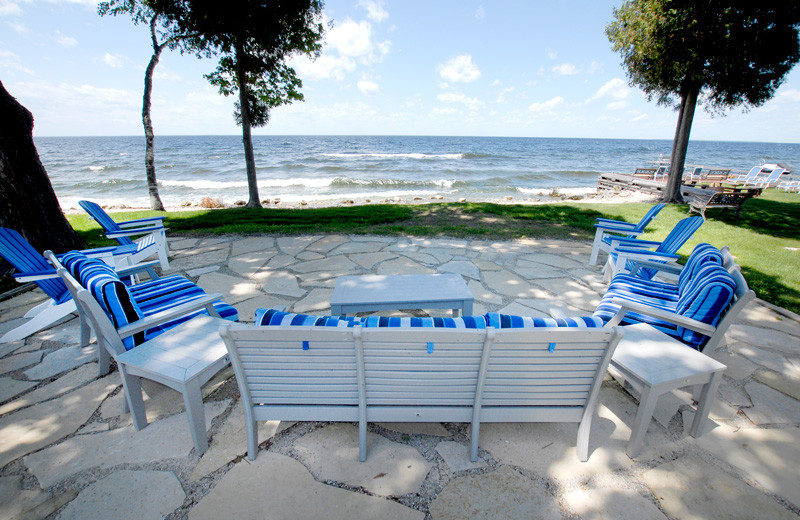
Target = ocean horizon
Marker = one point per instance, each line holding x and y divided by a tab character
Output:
330	169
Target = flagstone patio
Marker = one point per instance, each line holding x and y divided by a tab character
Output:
68	451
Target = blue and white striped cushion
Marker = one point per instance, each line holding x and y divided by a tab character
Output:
705	299
464	322
510	321
274	317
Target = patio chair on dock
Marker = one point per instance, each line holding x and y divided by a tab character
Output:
152	233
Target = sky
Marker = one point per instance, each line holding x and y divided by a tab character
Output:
388	67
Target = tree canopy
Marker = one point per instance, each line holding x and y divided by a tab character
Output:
724	53
253	39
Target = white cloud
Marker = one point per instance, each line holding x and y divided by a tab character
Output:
9	8
501	97
789	96
11	61
551	54
375	10
616	105
459	69
547	106
113	60
324	67
594	67
616	90
639	118
64	40
18	27
457	97
444	111
565	69
355	40
368	88
480	13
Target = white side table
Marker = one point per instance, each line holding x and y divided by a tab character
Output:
183	358
654	364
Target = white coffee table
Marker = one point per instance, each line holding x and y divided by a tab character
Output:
654	364
413	291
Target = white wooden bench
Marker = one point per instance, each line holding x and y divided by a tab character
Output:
306	373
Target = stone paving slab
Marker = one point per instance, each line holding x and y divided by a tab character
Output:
33	428
157	493
503	494
62	360
688	489
66	383
457	456
391	469
771	456
233	289
164	439
18	361
18	503
12	346
11	387
431	428
610	501
771	406
283	487
230	441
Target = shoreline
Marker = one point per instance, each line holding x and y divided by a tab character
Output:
540	198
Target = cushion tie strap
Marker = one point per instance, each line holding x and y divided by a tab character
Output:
305	345
430	347
552	347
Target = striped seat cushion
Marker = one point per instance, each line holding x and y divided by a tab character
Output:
510	321
275	317
705	299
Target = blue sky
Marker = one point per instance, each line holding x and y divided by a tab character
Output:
443	67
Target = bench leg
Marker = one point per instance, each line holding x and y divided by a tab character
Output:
132	388
252	436
705	400
193	399
647	403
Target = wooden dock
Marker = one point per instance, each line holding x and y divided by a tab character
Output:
626	181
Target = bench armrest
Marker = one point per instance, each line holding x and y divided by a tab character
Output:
168	315
142	222
644	254
132	232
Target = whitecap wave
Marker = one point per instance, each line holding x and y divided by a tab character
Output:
395	155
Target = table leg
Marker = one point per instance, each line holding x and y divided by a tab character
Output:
467	306
193	399
647	403
455	313
704	403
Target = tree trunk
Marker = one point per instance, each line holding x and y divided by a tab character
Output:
247	138
147	121
28	203
672	193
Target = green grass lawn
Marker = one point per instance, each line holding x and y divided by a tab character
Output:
765	240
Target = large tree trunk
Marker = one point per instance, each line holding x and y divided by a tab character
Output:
247	138
680	144
28	203
147	121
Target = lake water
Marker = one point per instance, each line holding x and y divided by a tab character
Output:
110	170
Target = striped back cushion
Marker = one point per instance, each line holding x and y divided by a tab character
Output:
682	232
109	291
102	218
509	321
274	317
705	299
702	255
464	322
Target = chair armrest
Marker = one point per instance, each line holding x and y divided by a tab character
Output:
644	254
33	276
138	268
612	222
641	308
168	315
618	229
142	222
132	232
658	266
633	242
